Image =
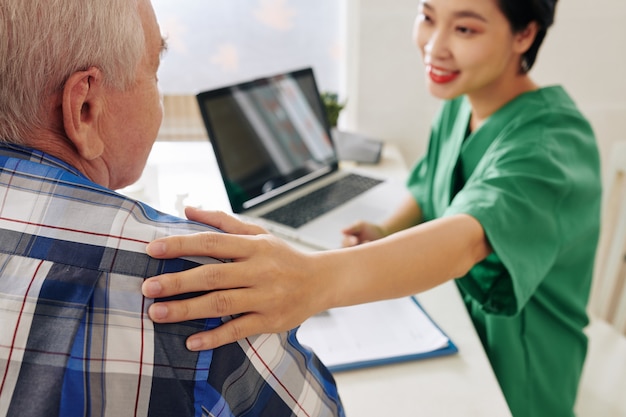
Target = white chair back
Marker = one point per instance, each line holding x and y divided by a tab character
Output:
608	296
603	385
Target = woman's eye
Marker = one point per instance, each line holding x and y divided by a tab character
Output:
425	18
465	30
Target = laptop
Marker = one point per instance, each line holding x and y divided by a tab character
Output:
279	165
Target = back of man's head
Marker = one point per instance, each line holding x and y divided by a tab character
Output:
42	42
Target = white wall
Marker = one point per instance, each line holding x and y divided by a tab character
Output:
585	51
386	96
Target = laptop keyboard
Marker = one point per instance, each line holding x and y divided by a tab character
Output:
320	201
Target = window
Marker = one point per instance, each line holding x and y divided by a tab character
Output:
217	42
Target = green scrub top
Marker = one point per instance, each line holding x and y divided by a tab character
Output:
531	176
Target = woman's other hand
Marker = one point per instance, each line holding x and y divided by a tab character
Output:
361	232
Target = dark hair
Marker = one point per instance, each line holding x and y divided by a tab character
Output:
520	13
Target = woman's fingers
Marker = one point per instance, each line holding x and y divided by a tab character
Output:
213	304
236	329
268	285
209	277
213	244
349	240
224	303
223	221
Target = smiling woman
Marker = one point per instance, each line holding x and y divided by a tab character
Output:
221	42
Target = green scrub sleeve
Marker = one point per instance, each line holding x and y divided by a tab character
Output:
516	194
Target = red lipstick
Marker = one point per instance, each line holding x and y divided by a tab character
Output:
440	75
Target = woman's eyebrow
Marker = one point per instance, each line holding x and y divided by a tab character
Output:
458	14
470	14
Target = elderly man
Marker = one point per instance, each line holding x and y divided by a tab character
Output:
79	111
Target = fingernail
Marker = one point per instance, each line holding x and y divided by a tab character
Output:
158	311
156	249
194	343
152	288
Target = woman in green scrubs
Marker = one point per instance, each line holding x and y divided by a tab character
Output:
506	202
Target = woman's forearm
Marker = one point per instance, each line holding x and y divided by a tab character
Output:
408	214
406	263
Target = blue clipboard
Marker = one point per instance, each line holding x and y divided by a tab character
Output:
316	337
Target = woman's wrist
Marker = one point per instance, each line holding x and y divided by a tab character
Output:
329	269
383	230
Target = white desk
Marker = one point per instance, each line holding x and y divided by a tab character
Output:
458	385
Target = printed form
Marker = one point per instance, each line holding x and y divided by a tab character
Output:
374	333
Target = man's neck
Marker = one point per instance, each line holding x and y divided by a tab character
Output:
60	147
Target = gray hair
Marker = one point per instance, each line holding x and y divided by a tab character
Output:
43	42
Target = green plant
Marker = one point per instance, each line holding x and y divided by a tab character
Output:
333	107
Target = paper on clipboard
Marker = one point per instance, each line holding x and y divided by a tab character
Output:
374	334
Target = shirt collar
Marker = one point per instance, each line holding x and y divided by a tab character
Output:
29	154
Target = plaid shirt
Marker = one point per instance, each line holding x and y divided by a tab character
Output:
75	339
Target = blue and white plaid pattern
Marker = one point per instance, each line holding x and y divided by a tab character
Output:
75	338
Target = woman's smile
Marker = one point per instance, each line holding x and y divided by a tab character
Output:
440	75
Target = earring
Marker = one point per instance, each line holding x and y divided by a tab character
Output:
524	65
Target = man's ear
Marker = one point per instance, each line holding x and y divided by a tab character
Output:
525	38
83	96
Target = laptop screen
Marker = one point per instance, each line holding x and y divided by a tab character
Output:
269	135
